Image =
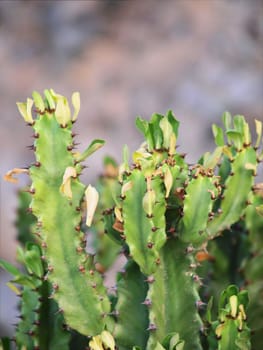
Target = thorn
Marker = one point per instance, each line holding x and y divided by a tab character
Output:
81	268
122	271
114	313
44	245
29	210
154	229
30	333
65	327
203	329
36	135
150	279
152	327
55	286
197	279
63	126
31	148
200	304
37	164
79	250
39	224
158	261
77	228
113	289
147	302
123	237
190	249
150	245
21	317
172	230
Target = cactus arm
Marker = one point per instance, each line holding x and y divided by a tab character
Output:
173	282
139	226
232	331
253	270
132	314
197	206
236	193
51	331
5	344
26	333
76	285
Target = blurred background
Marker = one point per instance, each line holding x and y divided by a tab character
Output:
126	58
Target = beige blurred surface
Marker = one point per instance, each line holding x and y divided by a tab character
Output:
127	58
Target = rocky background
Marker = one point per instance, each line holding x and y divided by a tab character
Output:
127	58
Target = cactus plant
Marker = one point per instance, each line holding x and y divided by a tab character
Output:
167	217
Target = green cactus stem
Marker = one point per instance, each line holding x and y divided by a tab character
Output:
131	309
175	280
231	330
76	285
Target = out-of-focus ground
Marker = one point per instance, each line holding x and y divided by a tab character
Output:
127	58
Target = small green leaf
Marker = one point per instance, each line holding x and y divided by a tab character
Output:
33	260
218	135
39	103
167	130
9	268
227	120
142	125
25	109
49	99
235	137
93	147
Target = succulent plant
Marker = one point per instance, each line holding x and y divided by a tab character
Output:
171	220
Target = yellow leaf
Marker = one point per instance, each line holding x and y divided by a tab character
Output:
233	305
76	104
92	198
258	131
258	189
172	145
96	343
148	202
126	187
16	171
62	112
117	212
25	109
13	288
168	181
65	188
108	340
219	330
